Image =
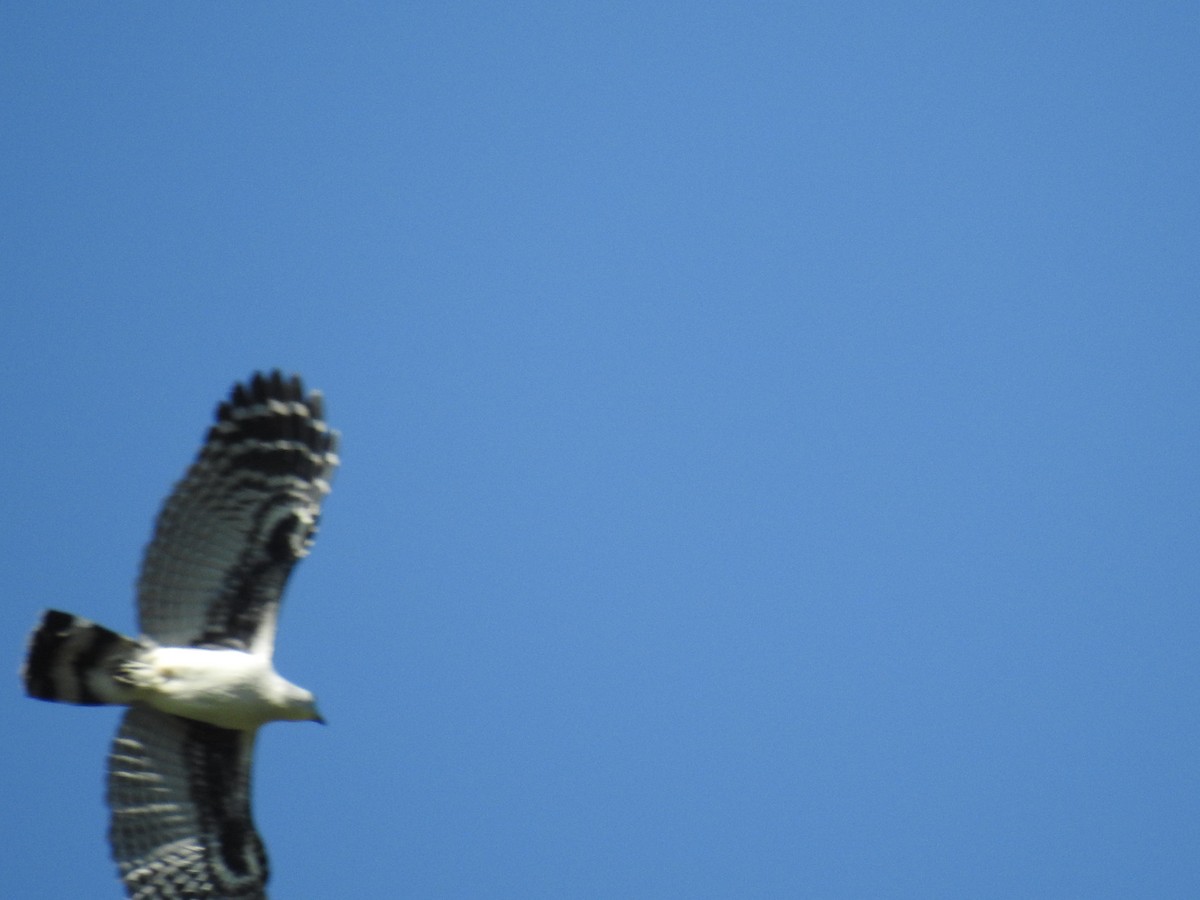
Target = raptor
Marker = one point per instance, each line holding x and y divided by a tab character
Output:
199	680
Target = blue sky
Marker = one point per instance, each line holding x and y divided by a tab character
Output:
770	432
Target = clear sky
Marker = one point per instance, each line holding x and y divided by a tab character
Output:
770	431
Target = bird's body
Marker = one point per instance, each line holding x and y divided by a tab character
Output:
227	688
200	681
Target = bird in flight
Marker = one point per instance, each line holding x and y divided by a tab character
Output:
199	681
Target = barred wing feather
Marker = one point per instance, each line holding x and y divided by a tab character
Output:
245	512
180	797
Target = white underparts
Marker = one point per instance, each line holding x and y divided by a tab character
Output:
227	688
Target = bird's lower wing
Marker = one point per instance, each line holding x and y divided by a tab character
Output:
180	797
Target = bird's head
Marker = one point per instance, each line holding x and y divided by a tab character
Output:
297	704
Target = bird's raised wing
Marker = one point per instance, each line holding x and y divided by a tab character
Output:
245	512
180	797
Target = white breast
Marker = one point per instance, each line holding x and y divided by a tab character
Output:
226	688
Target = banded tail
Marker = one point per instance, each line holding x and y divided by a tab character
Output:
73	660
